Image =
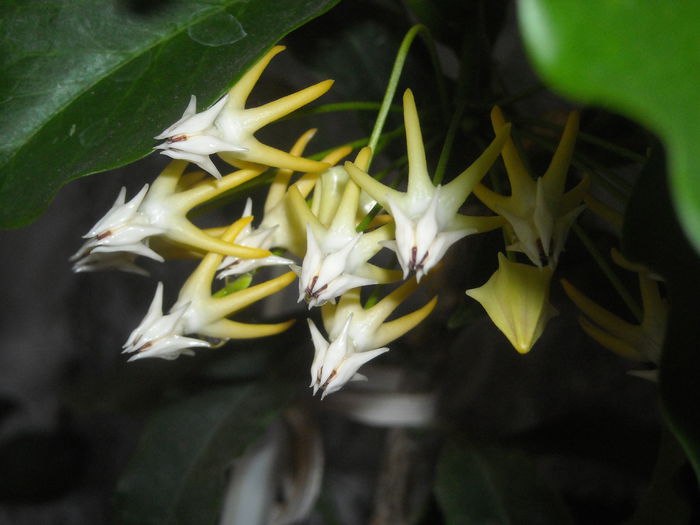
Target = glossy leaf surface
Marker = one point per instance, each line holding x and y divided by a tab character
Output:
636	58
85	85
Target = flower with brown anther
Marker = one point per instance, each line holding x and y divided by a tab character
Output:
426	217
227	128
337	256
159	211
358	335
199	313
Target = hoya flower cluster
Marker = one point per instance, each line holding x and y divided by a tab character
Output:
310	228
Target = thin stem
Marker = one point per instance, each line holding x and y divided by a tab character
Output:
396	74
608	271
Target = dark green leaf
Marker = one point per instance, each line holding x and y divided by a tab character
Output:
638	58
178	473
494	486
653	236
86	84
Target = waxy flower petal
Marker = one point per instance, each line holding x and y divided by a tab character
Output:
425	216
198	312
159	210
227	128
251	238
337	362
539	212
337	256
640	342
516	298
357	335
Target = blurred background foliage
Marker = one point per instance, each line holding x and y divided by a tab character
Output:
560	435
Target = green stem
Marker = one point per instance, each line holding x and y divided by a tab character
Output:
396	74
608	271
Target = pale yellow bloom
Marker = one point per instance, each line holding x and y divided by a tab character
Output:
516	298
641	342
538	212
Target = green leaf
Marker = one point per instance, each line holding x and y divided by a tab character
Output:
638	58
656	239
178	473
86	84
494	486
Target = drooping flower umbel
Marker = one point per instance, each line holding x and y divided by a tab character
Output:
227	128
425	216
516	298
337	255
159	210
200	314
640	342
358	335
539	212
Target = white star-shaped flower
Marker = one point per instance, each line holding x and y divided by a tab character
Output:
337	256
158	210
123	230
227	128
358	335
425	216
326	270
161	335
200	313
337	362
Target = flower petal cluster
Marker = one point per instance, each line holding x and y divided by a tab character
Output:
227	128
337	256
160	335
158	211
123	230
641	342
538	212
425	216
252	238
358	335
198	312
516	298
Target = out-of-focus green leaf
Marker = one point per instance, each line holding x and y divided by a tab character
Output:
86	84
638	58
494	486
178	473
652	235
